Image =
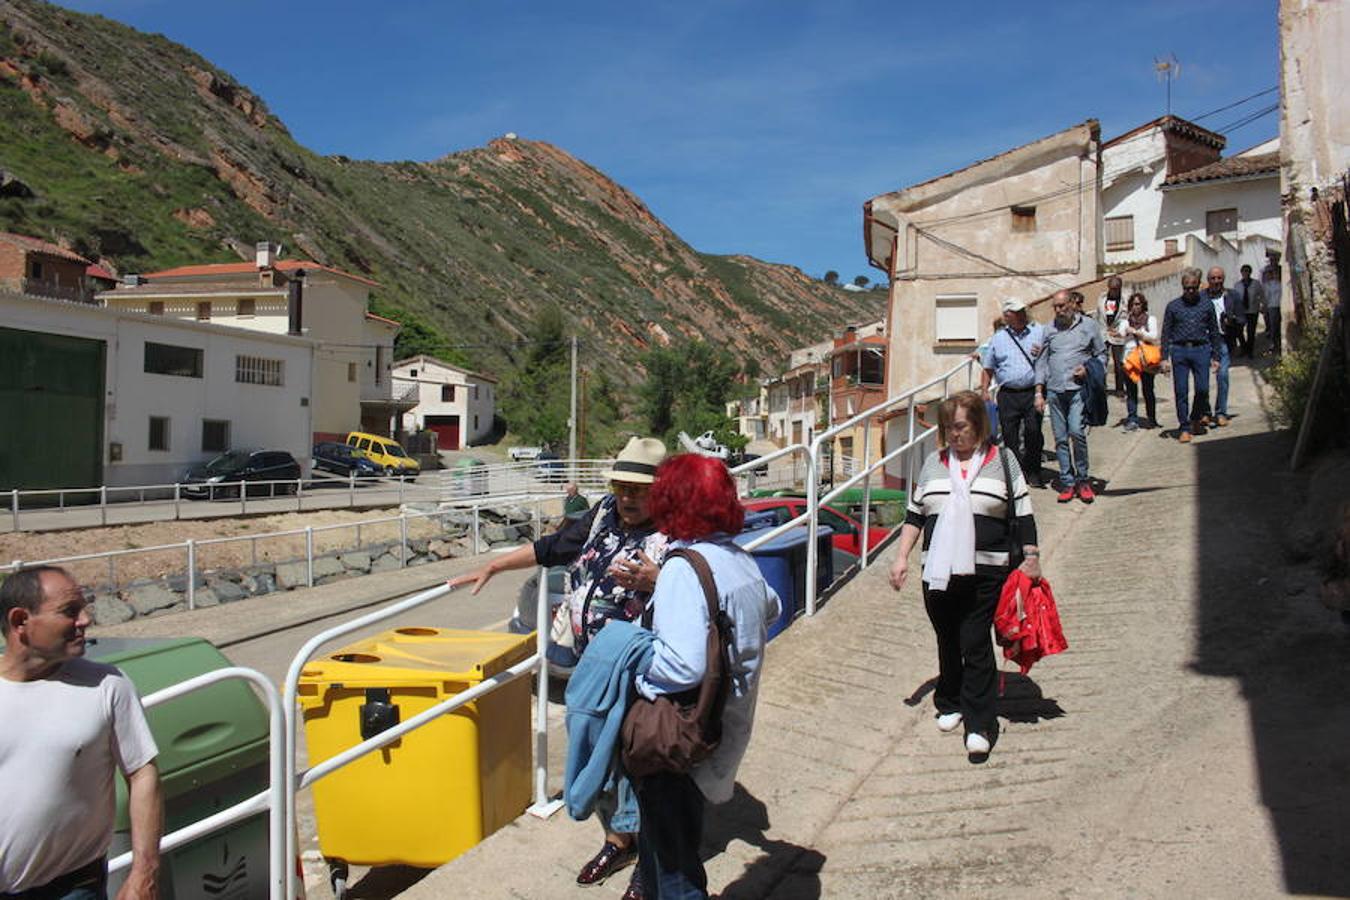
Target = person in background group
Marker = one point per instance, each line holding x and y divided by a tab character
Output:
69	725
1134	328
1251	296
1228	310
574	505
1274	291
1070	341
694	502
613	554
1010	361
1110	311
959	506
1192	346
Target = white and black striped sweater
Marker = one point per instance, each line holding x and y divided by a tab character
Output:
988	501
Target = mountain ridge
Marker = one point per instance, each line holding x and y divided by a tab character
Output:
142	154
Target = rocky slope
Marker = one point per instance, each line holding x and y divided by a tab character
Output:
137	151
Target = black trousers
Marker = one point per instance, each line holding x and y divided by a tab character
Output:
962	617
1249	339
88	882
1021	427
1118	366
671	807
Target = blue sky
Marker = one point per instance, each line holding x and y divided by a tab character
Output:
749	126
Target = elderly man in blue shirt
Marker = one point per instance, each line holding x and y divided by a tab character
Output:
1010	361
1061	371
1192	347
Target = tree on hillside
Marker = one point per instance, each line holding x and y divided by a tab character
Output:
687	388
861	281
536	396
418	336
832	277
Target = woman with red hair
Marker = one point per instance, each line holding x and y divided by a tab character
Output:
694	502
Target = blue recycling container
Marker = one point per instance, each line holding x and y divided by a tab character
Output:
782	562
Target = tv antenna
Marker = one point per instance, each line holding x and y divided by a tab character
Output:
1168	70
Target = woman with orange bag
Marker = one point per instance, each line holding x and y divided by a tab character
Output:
1140	331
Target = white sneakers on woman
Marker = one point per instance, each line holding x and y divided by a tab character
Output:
977	743
948	721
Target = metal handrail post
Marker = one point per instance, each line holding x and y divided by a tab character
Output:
403	540
309	556
177	509
813	522
279	871
299	494
867	494
400	488
243	498
103	504
14	506
542	807
290	692
351	488
475	529
191	573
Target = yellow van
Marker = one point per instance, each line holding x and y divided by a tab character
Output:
385	453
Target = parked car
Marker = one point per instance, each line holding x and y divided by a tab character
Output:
386	453
219	479
847	530
524	454
339	459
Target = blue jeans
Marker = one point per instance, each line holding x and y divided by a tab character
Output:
672	827
1221	401
1188	363
1066	421
618	809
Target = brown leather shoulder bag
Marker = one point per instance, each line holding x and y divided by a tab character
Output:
665	735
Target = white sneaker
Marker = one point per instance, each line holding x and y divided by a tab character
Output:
977	743
948	721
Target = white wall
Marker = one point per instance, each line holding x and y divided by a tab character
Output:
475	412
260	416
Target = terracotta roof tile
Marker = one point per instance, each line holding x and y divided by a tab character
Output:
1232	167
372	316
243	268
153	289
33	245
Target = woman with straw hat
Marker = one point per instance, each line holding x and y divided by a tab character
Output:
613	555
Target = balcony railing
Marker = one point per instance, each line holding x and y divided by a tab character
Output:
400	393
37	288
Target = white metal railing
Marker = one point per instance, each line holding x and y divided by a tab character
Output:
275	799
296	781
191	548
166	501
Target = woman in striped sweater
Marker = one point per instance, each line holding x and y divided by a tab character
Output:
959	506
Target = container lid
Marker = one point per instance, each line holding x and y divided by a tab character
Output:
418	655
788	540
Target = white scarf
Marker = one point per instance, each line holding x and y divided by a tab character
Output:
952	548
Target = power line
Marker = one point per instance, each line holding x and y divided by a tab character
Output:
1212	112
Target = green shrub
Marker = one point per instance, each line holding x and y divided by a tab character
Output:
51	64
1292	378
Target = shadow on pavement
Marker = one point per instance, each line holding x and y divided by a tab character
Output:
1260	622
386	881
1022	700
786	871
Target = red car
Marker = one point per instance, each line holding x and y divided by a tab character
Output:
847	530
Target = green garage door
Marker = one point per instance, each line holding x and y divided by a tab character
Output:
51	403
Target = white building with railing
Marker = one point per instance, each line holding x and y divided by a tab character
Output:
456	403
96	396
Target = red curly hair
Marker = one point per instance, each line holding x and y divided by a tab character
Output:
694	496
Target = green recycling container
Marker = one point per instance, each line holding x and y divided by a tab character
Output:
212	754
469	478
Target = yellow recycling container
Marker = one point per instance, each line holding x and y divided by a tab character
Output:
436	792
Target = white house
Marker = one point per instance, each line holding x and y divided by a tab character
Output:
96	396
457	404
352	387
1166	180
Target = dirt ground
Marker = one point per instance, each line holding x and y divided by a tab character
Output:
340	532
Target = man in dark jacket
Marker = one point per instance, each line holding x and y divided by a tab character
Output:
1252	299
1192	345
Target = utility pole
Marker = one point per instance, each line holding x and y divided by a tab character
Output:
572	417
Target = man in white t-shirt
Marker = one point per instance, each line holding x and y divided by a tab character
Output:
70	724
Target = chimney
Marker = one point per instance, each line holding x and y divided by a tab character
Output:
267	254
295	303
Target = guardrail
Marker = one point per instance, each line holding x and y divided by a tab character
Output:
485	480
191	548
275	799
